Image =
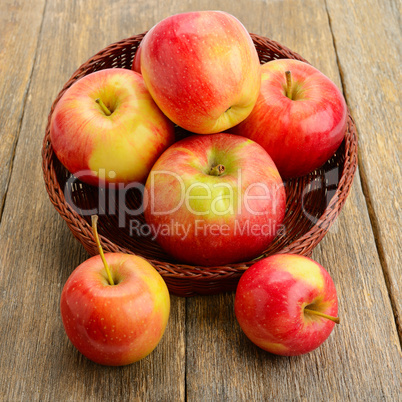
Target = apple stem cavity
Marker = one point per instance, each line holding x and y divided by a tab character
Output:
329	317
103	106
288	84
95	231
217	170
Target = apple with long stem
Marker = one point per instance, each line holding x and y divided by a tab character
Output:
299	117
286	304
114	307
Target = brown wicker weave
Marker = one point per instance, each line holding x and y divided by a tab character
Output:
325	191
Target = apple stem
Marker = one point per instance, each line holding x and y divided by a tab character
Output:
95	230
288	84
103	106
329	317
217	170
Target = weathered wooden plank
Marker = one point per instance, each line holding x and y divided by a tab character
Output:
362	358
369	47
18	43
37	252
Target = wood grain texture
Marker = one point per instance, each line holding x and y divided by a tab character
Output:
362	358
203	354
370	61
37	252
18	43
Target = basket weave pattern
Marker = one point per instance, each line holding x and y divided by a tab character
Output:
313	201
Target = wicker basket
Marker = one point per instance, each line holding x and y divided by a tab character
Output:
313	201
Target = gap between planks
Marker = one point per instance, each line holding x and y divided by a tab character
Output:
379	246
24	101
368	198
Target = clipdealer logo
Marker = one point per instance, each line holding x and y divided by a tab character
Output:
113	201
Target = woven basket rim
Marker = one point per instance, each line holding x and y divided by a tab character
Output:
302	245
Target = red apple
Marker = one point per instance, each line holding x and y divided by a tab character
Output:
115	308
214	199
202	69
299	118
286	304
136	66
107	129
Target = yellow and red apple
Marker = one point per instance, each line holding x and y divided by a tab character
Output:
286	304
214	199
299	117
106	128
115	308
202	69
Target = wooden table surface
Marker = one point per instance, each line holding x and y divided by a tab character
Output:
203	355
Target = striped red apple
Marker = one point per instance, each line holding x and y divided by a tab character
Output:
299	117
286	304
202	69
